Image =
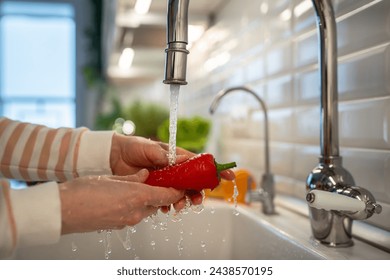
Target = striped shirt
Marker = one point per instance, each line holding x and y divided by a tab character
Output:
29	152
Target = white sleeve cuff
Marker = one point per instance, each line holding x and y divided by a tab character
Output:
37	213
94	153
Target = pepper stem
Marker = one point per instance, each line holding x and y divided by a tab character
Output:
224	166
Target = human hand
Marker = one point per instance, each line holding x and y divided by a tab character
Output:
129	154
111	202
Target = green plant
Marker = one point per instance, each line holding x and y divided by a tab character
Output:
192	133
146	116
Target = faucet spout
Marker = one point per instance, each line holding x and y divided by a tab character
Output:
265	194
327	37
177	40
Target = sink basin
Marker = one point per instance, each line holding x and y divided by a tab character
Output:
220	231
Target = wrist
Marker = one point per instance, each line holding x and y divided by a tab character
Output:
115	154
94	153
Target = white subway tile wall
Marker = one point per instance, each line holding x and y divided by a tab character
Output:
271	46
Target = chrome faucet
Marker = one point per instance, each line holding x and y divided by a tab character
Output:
266	192
334	200
177	40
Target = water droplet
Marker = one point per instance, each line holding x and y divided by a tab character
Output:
107	244
74	247
166	238
176	217
127	243
235	193
100	236
212	210
180	246
187	206
197	208
203	245
163	226
154	219
152	243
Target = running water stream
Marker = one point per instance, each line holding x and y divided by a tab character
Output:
174	102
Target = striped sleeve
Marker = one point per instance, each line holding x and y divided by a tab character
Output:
28	217
7	222
32	216
37	153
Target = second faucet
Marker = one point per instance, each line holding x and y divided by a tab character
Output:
266	192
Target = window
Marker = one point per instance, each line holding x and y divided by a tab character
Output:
37	62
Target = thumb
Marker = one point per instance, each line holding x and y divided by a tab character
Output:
142	175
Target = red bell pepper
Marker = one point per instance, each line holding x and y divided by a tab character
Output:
197	173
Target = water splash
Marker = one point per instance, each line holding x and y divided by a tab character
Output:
200	207
234	197
163	224
153	244
132	229
176	217
186	206
180	246
107	244
174	102
155	221
197	208
127	243
74	247
203	246
100	236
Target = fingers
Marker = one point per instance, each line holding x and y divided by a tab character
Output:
148	211
228	175
138	177
196	198
165	209
181	151
160	196
181	154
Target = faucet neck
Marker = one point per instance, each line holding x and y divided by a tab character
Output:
326	25
177	40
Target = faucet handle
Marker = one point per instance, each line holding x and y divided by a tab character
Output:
360	209
334	201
